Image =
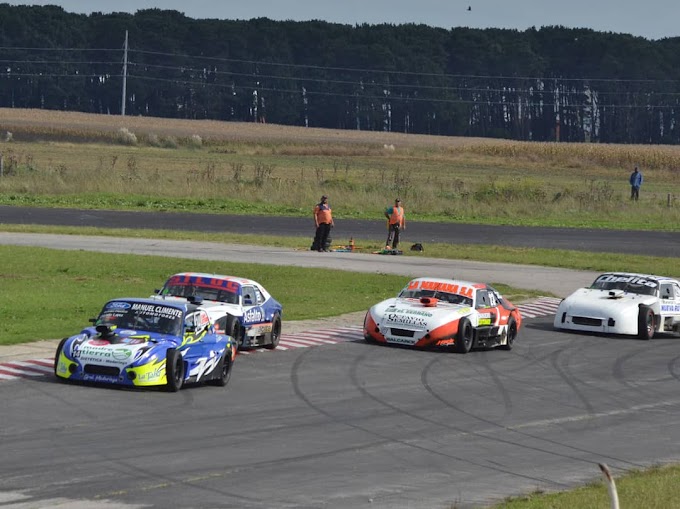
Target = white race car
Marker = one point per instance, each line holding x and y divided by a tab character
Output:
240	307
623	303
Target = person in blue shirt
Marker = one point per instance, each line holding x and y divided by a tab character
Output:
635	183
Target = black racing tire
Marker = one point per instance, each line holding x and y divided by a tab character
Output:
57	354
174	370
235	330
646	323
275	334
512	334
224	371
465	336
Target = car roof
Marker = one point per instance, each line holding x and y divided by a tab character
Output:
240	280
446	281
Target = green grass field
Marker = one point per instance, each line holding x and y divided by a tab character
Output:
77	160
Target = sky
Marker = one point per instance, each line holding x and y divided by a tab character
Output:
651	19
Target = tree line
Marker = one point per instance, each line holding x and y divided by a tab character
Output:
548	84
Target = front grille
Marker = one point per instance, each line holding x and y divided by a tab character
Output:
402	332
584	320
94	369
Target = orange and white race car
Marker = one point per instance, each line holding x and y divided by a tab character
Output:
434	312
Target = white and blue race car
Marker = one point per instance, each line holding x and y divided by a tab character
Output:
142	342
240	307
623	303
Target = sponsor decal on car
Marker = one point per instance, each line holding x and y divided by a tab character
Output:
402	319
260	329
253	315
118	305
84	351
120	354
150	309
443	287
634	280
403	341
150	373
484	319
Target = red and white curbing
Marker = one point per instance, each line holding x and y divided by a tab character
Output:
544	306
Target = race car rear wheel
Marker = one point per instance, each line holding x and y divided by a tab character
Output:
512	334
174	370
275	333
465	336
646	323
224	372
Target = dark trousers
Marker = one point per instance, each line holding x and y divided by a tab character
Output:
321	237
634	193
393	236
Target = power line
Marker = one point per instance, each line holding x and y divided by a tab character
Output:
13	48
412	73
305	79
350	69
383	99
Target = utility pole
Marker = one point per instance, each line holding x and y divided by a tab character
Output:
125	61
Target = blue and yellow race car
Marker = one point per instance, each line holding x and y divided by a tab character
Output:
143	342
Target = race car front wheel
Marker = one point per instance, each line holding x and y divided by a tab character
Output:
275	333
465	336
236	332
174	370
646	323
224	372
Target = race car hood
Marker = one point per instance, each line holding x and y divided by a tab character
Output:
121	349
604	303
415	315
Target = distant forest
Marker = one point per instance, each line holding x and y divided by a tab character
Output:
548	84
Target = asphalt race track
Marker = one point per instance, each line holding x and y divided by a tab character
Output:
595	240
348	425
351	425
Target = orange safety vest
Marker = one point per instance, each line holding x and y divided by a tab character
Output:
397	215
323	213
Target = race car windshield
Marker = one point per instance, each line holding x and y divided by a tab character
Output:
629	284
451	298
195	290
152	319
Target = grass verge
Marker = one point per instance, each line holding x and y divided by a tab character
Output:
656	488
52	293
